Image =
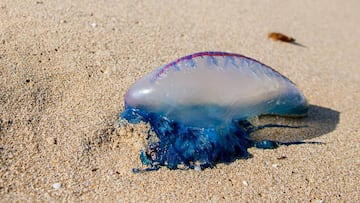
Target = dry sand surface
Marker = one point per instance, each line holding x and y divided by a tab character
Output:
66	65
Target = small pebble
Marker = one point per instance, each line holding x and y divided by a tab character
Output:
275	165
282	157
56	186
245	183
93	25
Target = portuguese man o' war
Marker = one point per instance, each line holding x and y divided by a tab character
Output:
199	107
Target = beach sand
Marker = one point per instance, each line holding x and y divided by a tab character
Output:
66	65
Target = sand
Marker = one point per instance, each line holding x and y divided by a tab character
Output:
66	65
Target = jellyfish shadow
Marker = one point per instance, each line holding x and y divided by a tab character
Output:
319	121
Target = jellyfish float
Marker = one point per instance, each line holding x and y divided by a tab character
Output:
199	107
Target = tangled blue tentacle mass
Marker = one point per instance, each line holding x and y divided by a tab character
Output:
179	144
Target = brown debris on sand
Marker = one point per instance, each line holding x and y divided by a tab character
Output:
276	36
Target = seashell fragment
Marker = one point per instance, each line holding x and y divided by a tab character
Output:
199	106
